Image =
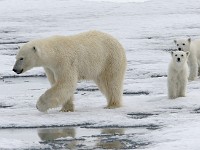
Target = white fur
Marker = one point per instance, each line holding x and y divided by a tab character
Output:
91	55
178	73
194	59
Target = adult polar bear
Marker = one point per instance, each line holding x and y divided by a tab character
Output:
91	55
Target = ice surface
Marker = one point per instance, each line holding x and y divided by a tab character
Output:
120	1
146	30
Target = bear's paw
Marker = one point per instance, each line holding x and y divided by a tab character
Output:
41	106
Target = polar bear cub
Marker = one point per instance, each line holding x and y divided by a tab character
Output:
194	59
178	73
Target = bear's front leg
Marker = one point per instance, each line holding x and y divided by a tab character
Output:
45	102
53	97
182	92
58	94
50	76
172	95
182	87
68	106
172	89
42	104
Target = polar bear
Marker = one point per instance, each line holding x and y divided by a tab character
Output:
194	59
66	60
178	73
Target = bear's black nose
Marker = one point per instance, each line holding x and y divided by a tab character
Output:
179	49
178	59
14	70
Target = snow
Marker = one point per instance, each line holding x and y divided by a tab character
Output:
146	28
120	1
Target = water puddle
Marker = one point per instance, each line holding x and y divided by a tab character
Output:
78	138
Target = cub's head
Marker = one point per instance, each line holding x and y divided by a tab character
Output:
26	59
179	57
183	44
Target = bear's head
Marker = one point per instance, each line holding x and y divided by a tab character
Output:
183	44
27	58
179	57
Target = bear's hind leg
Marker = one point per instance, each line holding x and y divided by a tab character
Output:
100	83
102	87
112	87
114	99
68	106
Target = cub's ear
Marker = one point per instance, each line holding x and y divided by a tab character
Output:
172	53
175	41
189	40
34	49
20	45
187	53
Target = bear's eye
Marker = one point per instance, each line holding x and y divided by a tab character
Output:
183	43
182	55
177	44
21	58
176	55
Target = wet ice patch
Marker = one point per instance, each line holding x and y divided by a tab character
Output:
158	75
75	138
149	126
5	106
136	93
87	89
196	110
140	115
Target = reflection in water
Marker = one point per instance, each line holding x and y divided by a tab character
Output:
53	137
112	131
55	133
108	140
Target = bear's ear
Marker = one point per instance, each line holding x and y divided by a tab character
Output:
175	41
187	53
189	40
172	53
34	49
20	46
